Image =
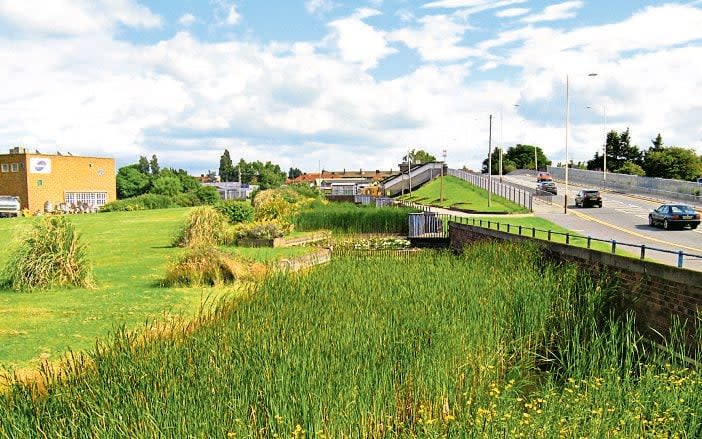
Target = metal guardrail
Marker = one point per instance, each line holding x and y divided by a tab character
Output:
687	191
510	192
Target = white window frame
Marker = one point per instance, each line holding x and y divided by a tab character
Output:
14	167
94	199
5	167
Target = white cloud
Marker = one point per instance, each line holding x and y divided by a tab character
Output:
359	42
233	16
560	11
512	12
187	19
319	6
298	103
438	38
75	17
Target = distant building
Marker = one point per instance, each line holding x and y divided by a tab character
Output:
233	190
40	179
342	182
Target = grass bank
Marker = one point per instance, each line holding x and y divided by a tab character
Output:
495	343
461	195
129	252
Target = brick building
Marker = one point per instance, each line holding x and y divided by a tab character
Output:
54	178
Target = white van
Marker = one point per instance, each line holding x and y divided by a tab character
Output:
9	206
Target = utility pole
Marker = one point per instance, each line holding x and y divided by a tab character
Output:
441	181
490	165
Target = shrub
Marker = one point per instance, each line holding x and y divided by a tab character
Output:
49	256
236	211
273	204
263	229
211	267
141	202
167	185
205	226
188	199
207	194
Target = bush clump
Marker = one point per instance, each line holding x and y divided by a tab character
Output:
263	229
236	211
210	267
51	255
140	202
205	226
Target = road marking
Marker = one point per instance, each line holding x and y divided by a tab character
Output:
622	229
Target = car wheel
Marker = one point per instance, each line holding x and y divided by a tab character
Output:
600	206
665	224
693	226
650	221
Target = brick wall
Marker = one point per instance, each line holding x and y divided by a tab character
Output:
655	292
67	174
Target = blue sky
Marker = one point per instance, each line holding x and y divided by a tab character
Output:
341	84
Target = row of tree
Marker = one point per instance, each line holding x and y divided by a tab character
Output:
146	176
266	175
674	162
517	157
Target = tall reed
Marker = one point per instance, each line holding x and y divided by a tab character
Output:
351	218
205	226
49	255
431	346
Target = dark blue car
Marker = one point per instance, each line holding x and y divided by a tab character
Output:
674	215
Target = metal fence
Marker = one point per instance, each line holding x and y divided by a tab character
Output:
573	239
512	193
687	191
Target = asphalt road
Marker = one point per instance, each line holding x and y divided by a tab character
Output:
623	218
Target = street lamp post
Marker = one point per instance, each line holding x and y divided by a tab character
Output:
567	123
604	145
490	164
441	196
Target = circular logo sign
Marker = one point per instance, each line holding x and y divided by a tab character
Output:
40	165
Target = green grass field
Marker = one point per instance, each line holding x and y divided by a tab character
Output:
129	252
497	342
460	194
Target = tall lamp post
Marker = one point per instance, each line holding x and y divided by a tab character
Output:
490	165
567	123
604	145
441	196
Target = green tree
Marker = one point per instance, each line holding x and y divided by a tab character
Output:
207	194
522	156
153	165
266	175
673	162
293	173
167	185
226	168
143	165
631	169
131	181
657	143
419	156
619	151
495	162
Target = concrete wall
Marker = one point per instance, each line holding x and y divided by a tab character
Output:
61	174
655	292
